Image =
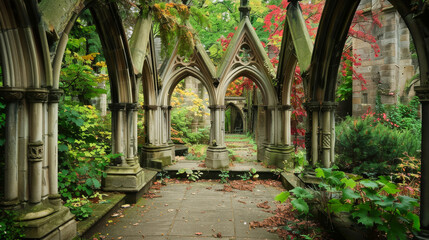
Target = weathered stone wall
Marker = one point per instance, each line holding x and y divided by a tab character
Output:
387	73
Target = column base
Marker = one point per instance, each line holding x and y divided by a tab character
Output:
123	179
157	157
279	156
217	158
58	224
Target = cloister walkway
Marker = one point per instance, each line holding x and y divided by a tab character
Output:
197	210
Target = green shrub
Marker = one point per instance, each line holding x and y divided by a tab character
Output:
181	120
9	228
84	143
367	147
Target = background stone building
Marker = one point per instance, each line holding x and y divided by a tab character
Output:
389	72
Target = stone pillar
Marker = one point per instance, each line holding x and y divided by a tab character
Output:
217	155
423	94
326	134
312	135
286	114
131	134
36	98
125	174
12	97
277	153
118	136
53	99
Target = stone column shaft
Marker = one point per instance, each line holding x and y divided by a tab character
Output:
326	138
36	152
118	112
315	137
332	137
11	152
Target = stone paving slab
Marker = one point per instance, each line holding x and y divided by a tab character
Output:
196	165
182	210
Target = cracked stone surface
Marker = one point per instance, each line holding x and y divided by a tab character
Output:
196	210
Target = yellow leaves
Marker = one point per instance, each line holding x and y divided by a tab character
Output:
90	57
101	64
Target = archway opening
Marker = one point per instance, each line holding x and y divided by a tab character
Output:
190	119
84	123
243	124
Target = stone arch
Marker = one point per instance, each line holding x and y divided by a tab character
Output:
260	79
180	74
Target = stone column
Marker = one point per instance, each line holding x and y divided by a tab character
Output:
423	94
313	109
277	153
53	99
286	126
118	112
217	155
131	129
36	98
326	134
12	97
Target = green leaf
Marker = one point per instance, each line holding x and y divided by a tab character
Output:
300	192
320	173
300	205
337	206
415	220
253	170
406	204
283	196
349	182
89	182
96	183
385	201
369	184
367	217
350	194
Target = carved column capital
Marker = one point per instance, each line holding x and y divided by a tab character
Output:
423	93
55	95
329	106
10	94
35	151
117	106
131	106
150	107
37	95
214	107
312	106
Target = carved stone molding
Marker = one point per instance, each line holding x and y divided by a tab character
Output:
11	94
329	106
423	93
55	95
312	106
150	107
217	107
35	151
117	106
326	140
37	95
131	106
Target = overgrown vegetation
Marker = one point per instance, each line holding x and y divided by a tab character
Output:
10	229
376	205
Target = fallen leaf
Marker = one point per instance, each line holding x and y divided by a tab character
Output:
126	206
198	233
